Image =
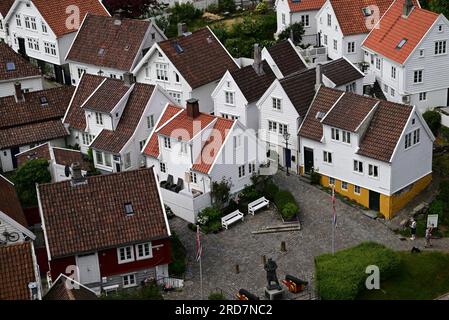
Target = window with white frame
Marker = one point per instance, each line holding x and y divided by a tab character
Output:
142	144
332	181
80	72
87	138
252	167
167	142
378	63
335	134
344	185
237	142
373	171
99	156
386	88
50	48
193	177
150	121
177	96
352	87
440	47
229	116
283	19
99	118
127	160
184	147
33	23
422	96
107	160
33	44
44	27
327	157
229	97
276	103
325	39
129	280
392	92
329	19
18	20
305	20
272	126
356	189
358	166
125	254
346	136
27	22
421	53
416	136
335	45
162	71
241	171
393	72
417	76
351	47
177	79
144	251
163	167
283	128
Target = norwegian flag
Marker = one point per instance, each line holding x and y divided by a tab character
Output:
199	246
333	207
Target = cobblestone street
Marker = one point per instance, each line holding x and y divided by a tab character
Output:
238	245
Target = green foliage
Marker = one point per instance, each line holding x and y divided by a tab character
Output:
286	204
297	29
184	12
441	164
439	6
216	296
163	23
213	8
226	6
220	192
148	292
433	119
210	219
444	133
289	211
262	8
178	265
315	177
192	226
342	276
26	177
270	190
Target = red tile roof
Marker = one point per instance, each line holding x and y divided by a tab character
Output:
114	141
203	58
5	5
22	68
152	147
40	152
17	270
213	145
341	72
107	96
350	15
305	5
91	216
9	202
75	116
54	12
122	43
393	28
67	157
286	58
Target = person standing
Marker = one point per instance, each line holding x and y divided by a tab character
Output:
428	237
413	229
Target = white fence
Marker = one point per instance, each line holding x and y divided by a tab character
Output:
184	205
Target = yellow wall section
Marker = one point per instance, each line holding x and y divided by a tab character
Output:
362	198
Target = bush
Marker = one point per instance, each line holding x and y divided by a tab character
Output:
342	276
297	29
433	119
286	204
213	8
289	211
444	191
26	177
226	5
215	226
270	190
192	226
178	265
216	296
444	132
185	12
261	8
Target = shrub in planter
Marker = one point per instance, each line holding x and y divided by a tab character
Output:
249	194
289	211
215	226
282	198
270	190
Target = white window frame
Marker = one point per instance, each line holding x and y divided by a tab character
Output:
145	256
99	157
162	72
332	181
163	167
167	143
44	27
242	172
126	260
230	98
327	157
150	121
129	285
276	103
18	20
344	183
357	166
305	19
127	163
423	96
359	189
335	134
440	47
272	126
371	171
393	72
351	47
418	76
99	118
193	177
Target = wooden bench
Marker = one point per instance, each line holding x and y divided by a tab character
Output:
229	219
258	204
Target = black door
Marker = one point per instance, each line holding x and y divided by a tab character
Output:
447	104
308	160
288	158
67	78
22	48
59	74
374	200
14	151
117	167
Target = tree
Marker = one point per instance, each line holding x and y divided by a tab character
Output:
439	6
25	179
220	192
296	30
433	119
226	5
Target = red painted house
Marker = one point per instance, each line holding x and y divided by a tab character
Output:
109	231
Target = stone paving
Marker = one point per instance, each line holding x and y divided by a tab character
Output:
238	245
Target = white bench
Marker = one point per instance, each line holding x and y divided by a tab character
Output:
258	204
229	219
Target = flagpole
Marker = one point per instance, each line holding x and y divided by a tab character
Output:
333	219
201	279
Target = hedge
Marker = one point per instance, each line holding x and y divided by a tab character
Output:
286	204
342	276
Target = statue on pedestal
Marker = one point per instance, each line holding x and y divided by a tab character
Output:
273	282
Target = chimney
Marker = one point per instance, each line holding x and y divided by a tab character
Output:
128	77
182	28
407	8
118	16
19	94
77	177
257	64
319	76
193	108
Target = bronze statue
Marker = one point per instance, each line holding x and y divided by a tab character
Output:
273	282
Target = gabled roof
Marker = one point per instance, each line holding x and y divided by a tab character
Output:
9	202
286	58
54	12
252	85
350	16
17	270
109	42
91	216
349	112
305	5
300	89
152	147
114	141
199	57
107	95
5	5
75	116
13	66
394	28
40	152
344	110
341	72
61	291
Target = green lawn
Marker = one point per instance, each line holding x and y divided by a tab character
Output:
424	276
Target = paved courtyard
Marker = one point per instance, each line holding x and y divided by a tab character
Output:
223	251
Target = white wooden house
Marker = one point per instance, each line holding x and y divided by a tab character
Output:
5	5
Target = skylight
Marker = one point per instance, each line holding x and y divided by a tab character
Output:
10	66
402	43
178	48
101	51
129	208
43	100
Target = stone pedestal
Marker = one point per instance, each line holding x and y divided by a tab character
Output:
274	294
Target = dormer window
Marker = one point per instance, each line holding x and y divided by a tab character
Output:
129	209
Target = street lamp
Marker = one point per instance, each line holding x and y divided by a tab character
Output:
286	136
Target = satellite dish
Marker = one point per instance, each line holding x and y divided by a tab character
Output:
67	171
